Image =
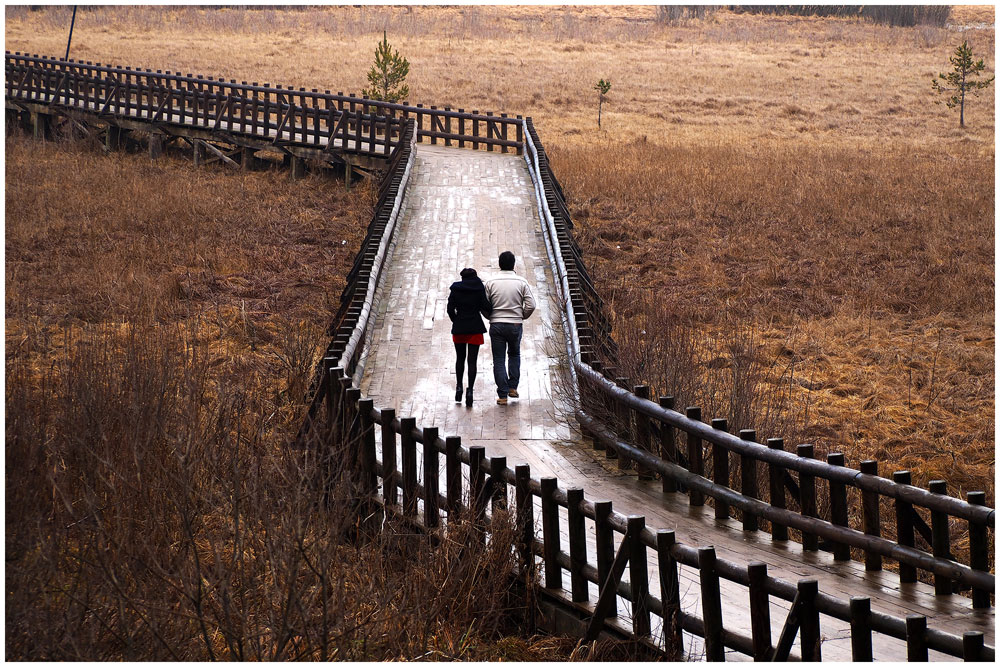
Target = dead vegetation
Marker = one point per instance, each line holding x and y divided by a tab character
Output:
162	323
771	199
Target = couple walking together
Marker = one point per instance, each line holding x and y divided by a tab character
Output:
506	301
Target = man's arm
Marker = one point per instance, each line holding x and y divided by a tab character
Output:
528	302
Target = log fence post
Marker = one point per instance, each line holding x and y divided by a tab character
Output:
432	474
639	575
979	551
809	635
838	507
696	463
870	513
861	629
408	447
760	611
453	476
904	527
720	468
605	546
748	480
577	544
668	444
940	540
369	476
525	514
643	430
807	498
550	533
477	483
776	484
916	638
711	605
389	473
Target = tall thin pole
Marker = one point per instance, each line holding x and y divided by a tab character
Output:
68	41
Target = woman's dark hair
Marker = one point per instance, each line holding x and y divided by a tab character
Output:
468	273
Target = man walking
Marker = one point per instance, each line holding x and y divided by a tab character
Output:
512	304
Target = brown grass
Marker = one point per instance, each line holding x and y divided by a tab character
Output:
868	277
791	174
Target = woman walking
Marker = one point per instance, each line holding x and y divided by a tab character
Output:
466	302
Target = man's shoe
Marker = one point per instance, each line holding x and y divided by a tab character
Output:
501	401
512	393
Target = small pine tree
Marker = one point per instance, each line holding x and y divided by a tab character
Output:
959	80
602	87
388	74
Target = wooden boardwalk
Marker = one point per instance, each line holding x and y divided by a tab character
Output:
463	208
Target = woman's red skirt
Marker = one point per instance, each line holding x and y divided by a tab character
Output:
469	339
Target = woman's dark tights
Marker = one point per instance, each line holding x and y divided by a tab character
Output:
460	354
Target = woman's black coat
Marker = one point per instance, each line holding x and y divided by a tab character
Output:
465	302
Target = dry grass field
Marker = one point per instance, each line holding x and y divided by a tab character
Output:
781	190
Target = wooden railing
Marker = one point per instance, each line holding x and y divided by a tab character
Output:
313	119
476	486
649	434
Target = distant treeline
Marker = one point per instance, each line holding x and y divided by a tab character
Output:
894	15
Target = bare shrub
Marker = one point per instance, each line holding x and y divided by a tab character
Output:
149	519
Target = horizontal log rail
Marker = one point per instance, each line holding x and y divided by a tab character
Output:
310	118
649	434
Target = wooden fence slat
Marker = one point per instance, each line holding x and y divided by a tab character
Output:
916	638
838	507
979	551
668	444
711	605
453	475
605	540
807	498
639	576
643	429
577	544
550	533
525	514
776	484
904	527
809	634
720	468
940	540
870	515
748	479
760	610
431	477
408	447
695	456
389	473
861	629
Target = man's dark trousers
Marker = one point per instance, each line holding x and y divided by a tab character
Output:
505	340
